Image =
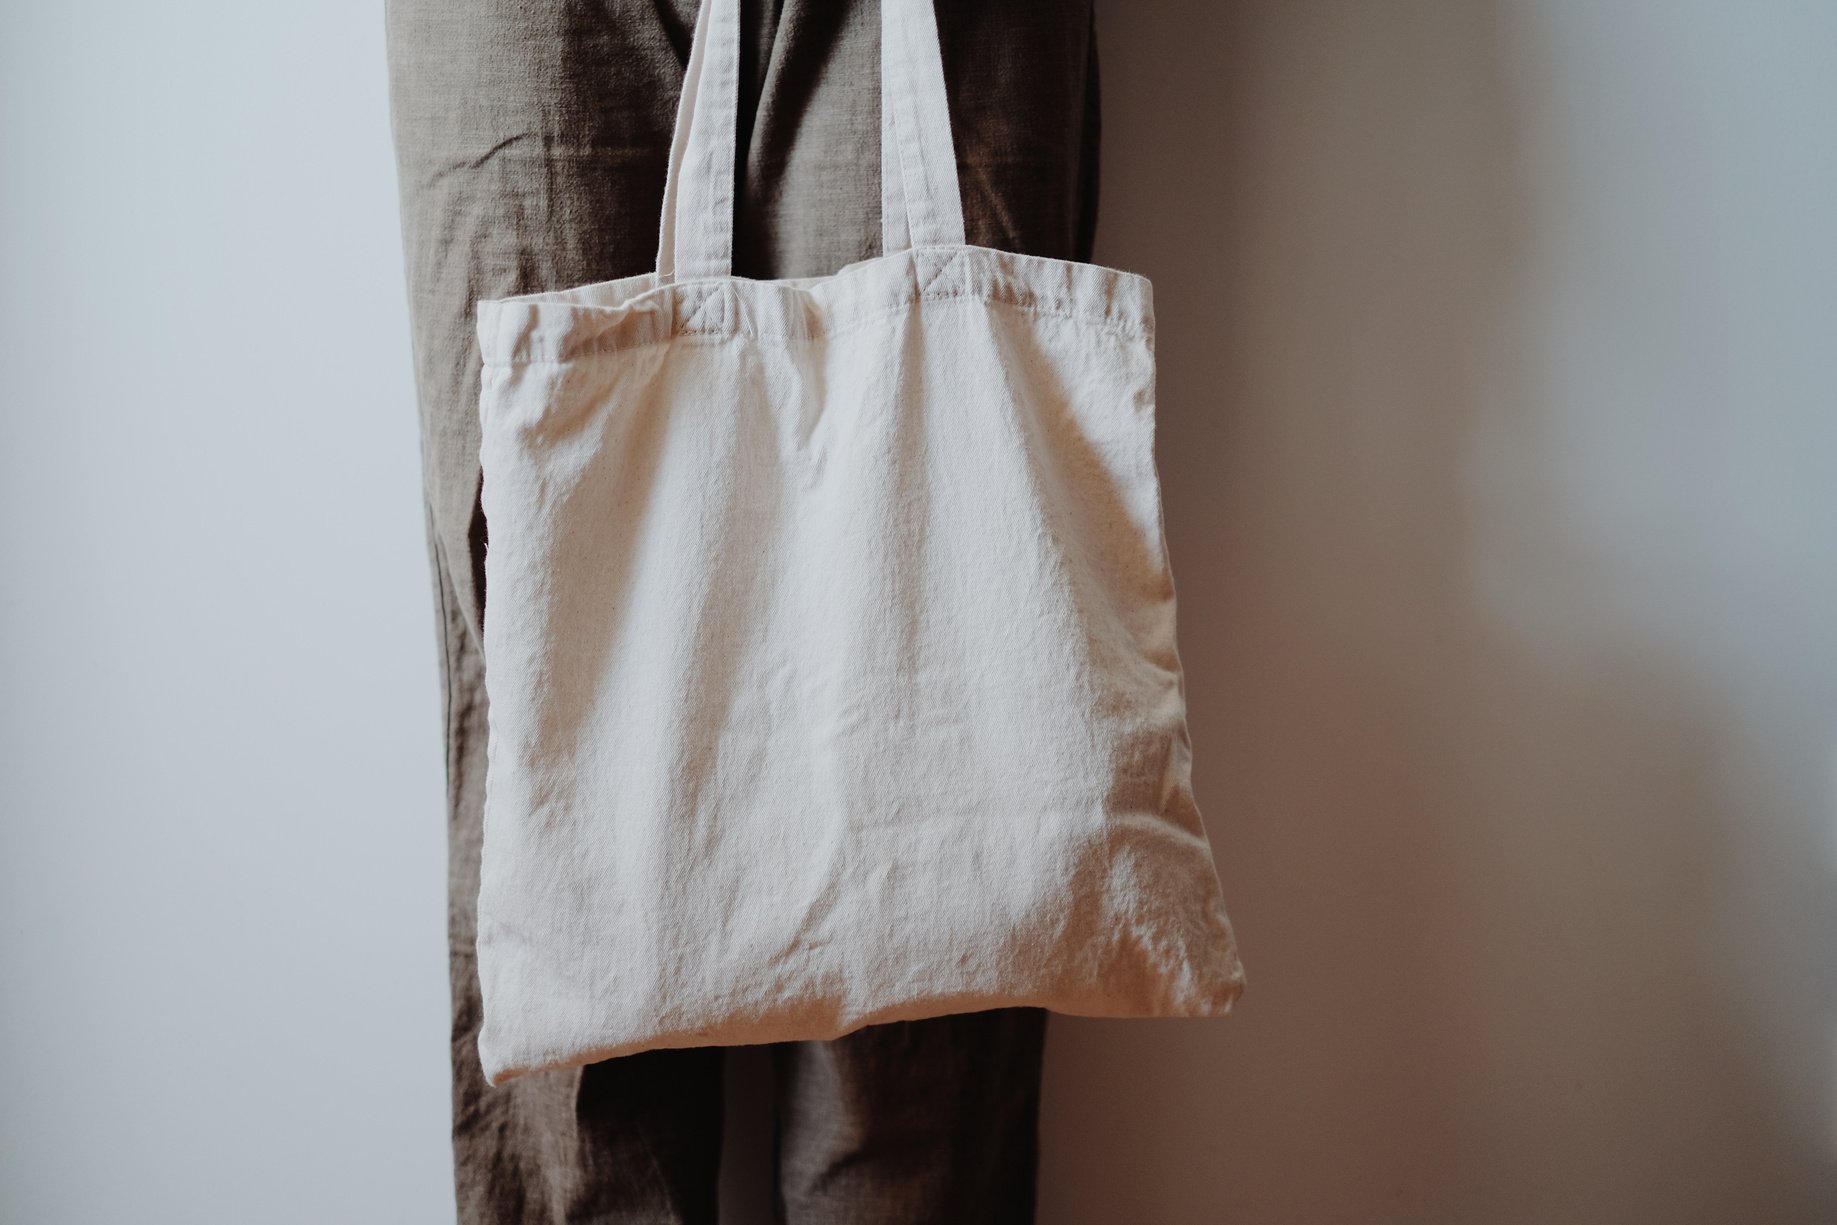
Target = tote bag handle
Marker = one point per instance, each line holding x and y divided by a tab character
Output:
921	204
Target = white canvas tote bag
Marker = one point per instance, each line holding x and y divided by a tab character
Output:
829	636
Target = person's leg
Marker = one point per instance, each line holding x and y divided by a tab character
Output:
936	1120
916	1123
1022	82
634	1139
531	144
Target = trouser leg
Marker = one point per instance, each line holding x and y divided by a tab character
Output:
916	1123
531	144
629	1140
931	1121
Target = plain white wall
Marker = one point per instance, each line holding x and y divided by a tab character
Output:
1499	447
222	863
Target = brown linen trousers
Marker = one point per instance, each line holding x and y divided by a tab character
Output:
531	142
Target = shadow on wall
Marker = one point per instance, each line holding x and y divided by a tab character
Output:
1481	864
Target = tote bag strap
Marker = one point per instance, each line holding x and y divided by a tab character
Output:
921	204
696	238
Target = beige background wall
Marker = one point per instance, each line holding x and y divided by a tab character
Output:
1499	443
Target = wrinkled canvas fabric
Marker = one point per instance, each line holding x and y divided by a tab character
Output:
829	635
